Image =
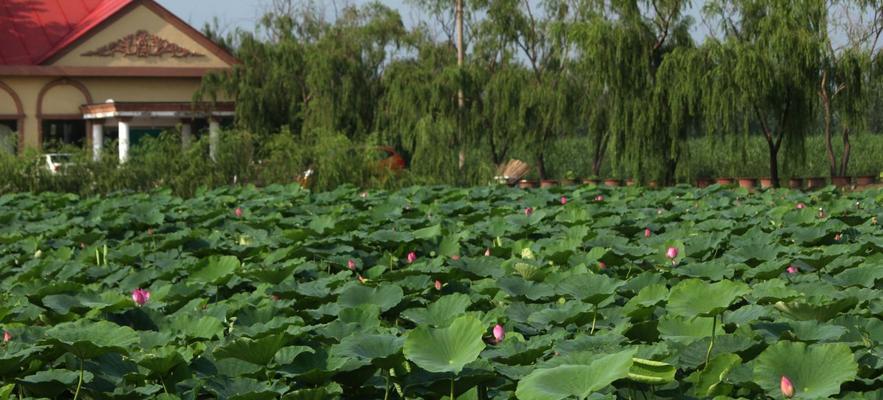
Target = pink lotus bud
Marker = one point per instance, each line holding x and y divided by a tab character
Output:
140	296
7	337
362	279
455	257
487	252
351	264
602	265
563	200
528	211
647	232
599	198
238	212
800	206
672	253
792	269
787	387
499	333
837	237
412	256
438	284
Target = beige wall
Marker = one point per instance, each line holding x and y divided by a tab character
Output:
67	99
7	104
140	18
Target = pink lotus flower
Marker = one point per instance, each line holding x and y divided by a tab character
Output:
487	252
599	198
602	265
800	206
499	333
787	387
7	337
528	211
140	296
351	264
238	212
563	200
412	256
438	284
647	232
672	253
792	269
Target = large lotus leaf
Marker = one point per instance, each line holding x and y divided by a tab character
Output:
681	329
816	371
216	269
445	349
53	382
693	297
89	340
441	312
709	382
13	355
242	388
260	351
818	309
652	372
385	296
367	349
590	288
571	380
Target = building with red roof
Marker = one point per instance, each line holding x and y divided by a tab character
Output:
86	72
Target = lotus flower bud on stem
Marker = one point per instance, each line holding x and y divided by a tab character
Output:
647	232
238	212
351	264
7	337
438	284
800	206
563	200
787	387
672	253
499	333
528	211
599	197
412	256
602	265
140	296
792	269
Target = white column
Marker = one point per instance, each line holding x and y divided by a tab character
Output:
186	133
214	138
97	139
124	140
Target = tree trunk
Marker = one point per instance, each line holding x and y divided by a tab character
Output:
844	159
599	156
774	163
829	148
541	165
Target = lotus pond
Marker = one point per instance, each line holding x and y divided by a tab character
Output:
429	292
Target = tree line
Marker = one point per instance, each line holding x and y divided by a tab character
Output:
631	75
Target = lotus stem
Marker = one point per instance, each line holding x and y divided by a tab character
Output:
594	318
386	392
80	382
711	345
452	388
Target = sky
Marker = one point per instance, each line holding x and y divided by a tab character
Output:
245	13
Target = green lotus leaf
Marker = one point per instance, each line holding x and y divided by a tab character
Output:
590	288
260	351
571	380
89	340
441	312
445	349
709	382
55	381
368	349
693	297
216	269
237	388
162	360
816	371
385	296
652	372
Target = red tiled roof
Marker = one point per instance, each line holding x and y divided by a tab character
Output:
31	31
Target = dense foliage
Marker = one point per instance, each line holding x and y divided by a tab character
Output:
484	293
630	77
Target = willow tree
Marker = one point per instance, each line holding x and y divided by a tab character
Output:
846	72
622	46
763	72
538	33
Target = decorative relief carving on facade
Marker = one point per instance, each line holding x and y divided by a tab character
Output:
142	44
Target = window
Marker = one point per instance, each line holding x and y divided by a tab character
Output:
8	136
59	133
